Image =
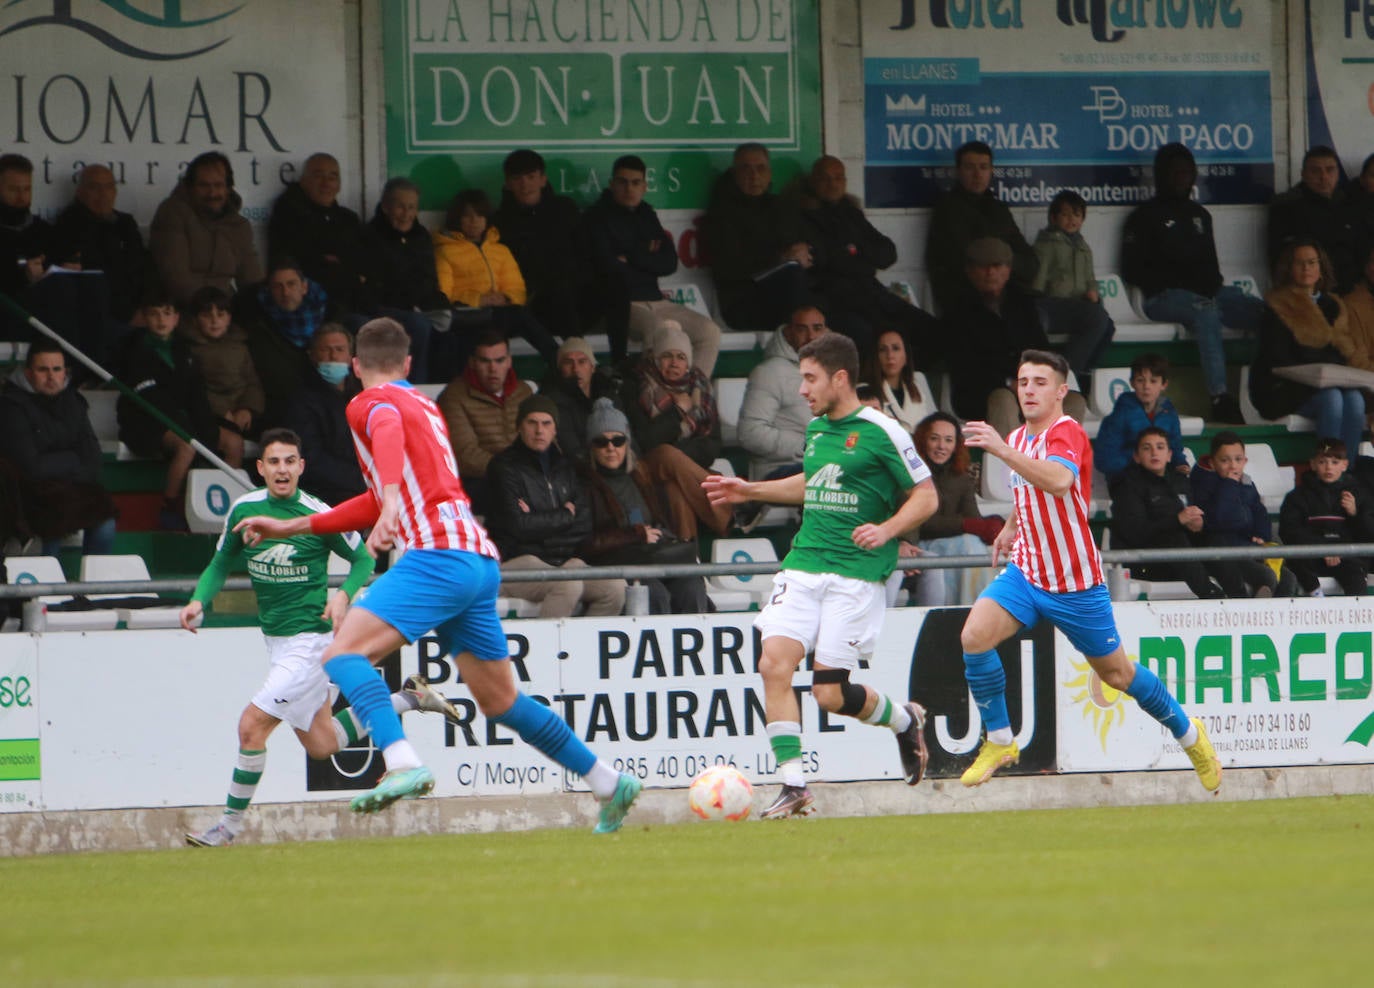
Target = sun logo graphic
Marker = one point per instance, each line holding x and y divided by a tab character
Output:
1101	703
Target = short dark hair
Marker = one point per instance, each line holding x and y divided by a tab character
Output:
331	329
522	161
1332	447
1070	198
41	346
1226	437
1156	363
206	298
382	344
629	162
1046	358
748	147
15	163
1151	430
398	184
489	337
971	147
209	158
1320	151
157	296
468	199
279	435
284	262
835	352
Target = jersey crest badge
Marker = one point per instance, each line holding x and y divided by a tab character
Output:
851	440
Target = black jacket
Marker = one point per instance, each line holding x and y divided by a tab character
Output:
114	246
956	220
404	276
986	345
574	408
49	438
1312	512
848	250
610	231
1332	222
177	390
307	232
22	236
316	413
542	239
1276	396
547	530
746	236
1168	243
1145	509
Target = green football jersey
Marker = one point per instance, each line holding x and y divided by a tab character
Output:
290	576
859	470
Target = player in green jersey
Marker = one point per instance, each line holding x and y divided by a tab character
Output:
861	486
298	615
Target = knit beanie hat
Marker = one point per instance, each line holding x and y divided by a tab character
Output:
605	417
671	336
536	403
575	344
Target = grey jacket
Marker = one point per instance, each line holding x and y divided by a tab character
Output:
773	417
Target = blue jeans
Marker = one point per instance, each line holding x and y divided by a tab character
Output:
96	540
1088	326
1204	317
941	587
1339	413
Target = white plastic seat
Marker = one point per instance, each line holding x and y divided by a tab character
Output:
430	391
128	569
743	551
1271	480
729	398
1109	384
209	493
1124	305
994	487
104	422
47	569
1252	416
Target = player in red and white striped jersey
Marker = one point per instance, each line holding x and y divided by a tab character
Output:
1053	571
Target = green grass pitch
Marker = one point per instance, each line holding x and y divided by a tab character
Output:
1255	893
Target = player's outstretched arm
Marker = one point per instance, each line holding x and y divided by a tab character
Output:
258	527
1053	478
736	490
921	502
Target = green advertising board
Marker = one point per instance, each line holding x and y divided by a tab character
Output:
678	82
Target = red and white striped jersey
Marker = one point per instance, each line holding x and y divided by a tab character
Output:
435	510
1054	545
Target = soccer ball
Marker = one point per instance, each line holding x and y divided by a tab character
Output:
721	793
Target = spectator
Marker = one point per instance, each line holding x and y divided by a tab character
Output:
232	386
325	238
773	416
575	383
1317	211
671	402
629	252
92	233
957	528
317	413
1069	300
405	282
1234	514
848	253
1359	311
1135	411
31	275
1305	325
49	441
1328	506
988	329
477	272
199	236
538	226
1360	194
480	409
971	211
281	316
631	517
166	376
541	515
1169	253
1151	510
891	385
759	253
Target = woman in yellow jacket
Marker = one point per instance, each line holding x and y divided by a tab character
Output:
480	276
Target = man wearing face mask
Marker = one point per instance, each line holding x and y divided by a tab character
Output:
316	413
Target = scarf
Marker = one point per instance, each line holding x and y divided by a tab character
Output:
656	397
298	325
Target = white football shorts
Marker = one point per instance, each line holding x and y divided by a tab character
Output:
837	617
296	685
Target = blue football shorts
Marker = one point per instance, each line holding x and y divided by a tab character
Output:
1085	616
448	591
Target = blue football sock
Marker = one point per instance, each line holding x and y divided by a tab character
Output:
1148	690
987	681
369	697
544	730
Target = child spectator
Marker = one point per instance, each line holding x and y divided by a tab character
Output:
1233	514
1328	506
1143	406
1069	300
1151	510
162	371
232	385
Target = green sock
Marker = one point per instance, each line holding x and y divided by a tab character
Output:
784	737
247	775
352	730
